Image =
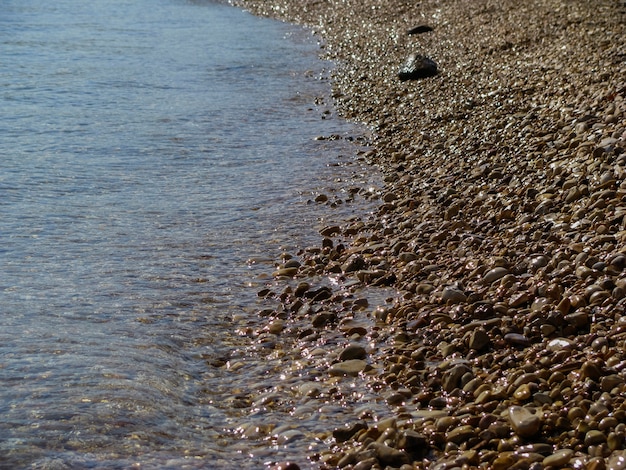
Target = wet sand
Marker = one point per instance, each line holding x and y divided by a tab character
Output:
502	226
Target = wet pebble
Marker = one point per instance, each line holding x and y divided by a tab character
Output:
453	295
559	459
494	275
353	351
524	422
350	367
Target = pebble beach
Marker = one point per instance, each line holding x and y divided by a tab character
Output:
499	241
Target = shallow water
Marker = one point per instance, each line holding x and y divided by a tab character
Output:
149	150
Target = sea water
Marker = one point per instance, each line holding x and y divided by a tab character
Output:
148	150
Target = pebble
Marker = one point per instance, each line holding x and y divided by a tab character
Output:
516	339
421	29
350	367
453	295
417	66
452	378
617	461
479	339
524	422
346	432
495	274
594	437
285	466
559	459
461	434
390	456
353	351
560	344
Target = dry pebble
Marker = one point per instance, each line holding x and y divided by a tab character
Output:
499	242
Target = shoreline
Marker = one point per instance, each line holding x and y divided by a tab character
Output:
502	225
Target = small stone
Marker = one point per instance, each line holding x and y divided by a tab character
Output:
417	66
353	351
276	326
292	263
350	368
522	393
309	389
536	448
285	466
525	379
516	339
396	399
572	195
559	458
323	318
330	231
547	330
559	344
494	275
389	197
390	456
424	288
539	303
538	262
301	289
609	382
609	422
461	434
354	263
524	422
387	423
421	29
503	462
575	413
345	433
594	437
479	339
320	294
518	300
590	370
285	272
452	378
289	436
366	464
617	461
413	442
577	319
348	459
453	295
614	441
595	463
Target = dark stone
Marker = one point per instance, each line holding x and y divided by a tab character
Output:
413	442
353	351
320	294
330	231
322	319
302	288
345	433
417	66
423	28
389	456
285	466
354	263
516	339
